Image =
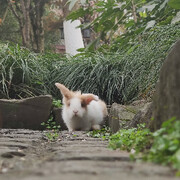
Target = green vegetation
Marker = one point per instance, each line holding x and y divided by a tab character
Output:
122	20
166	145
52	129
57	103
161	146
24	73
136	139
104	133
121	77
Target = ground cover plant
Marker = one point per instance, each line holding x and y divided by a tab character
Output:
166	145
52	129
104	133
161	146
135	139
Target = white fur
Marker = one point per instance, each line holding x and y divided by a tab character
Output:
85	119
73	121
77	117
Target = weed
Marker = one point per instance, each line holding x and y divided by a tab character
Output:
52	129
104	133
166	145
57	103
134	139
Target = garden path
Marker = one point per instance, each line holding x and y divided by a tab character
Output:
27	155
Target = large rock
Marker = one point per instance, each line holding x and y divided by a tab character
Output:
26	113
144	116
167	97
120	116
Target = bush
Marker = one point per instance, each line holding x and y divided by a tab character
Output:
118	77
22	73
123	76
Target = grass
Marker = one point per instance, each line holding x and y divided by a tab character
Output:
22	73
115	77
120	77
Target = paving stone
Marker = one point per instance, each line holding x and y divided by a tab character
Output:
72	157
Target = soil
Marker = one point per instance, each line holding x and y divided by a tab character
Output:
28	155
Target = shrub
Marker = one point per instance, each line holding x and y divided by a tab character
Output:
120	77
123	76
22	73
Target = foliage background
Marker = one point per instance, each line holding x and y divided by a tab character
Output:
116	77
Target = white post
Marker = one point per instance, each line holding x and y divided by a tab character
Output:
73	37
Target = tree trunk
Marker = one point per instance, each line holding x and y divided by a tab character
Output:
39	26
21	12
25	5
134	11
5	14
29	14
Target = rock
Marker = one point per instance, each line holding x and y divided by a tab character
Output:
57	114
143	116
120	116
27	113
167	96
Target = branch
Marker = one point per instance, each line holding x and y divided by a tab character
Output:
14	11
5	14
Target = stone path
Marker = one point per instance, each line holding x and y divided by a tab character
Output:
27	155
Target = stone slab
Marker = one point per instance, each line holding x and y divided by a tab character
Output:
27	113
73	156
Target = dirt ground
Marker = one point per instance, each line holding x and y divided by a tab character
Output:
27	155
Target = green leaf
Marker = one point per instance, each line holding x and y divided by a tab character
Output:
174	4
168	122
76	14
130	24
71	4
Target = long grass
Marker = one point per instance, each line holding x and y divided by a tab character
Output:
119	77
22	72
124	76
